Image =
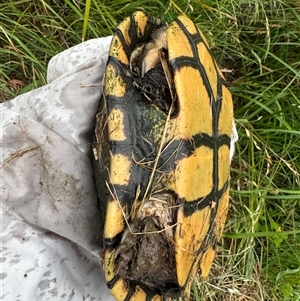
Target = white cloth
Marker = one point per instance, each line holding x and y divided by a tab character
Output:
51	238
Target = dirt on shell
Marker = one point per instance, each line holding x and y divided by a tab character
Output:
148	258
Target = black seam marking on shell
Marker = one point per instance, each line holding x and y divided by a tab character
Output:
224	83
196	38
125	104
216	109
215	210
141	150
121	68
111	243
126	47
150	293
213	60
124	193
180	149
110	284
132	33
193	38
185	148
192	206
131	291
149	296
210	239
215	122
176	151
207	238
211	235
216	104
183	61
215	125
133	285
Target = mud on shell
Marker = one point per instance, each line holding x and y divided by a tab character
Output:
162	158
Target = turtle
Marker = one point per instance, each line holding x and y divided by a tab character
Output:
162	158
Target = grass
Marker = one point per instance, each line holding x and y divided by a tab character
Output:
257	43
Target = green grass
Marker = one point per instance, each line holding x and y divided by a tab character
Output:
257	43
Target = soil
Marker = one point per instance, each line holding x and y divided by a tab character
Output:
148	258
